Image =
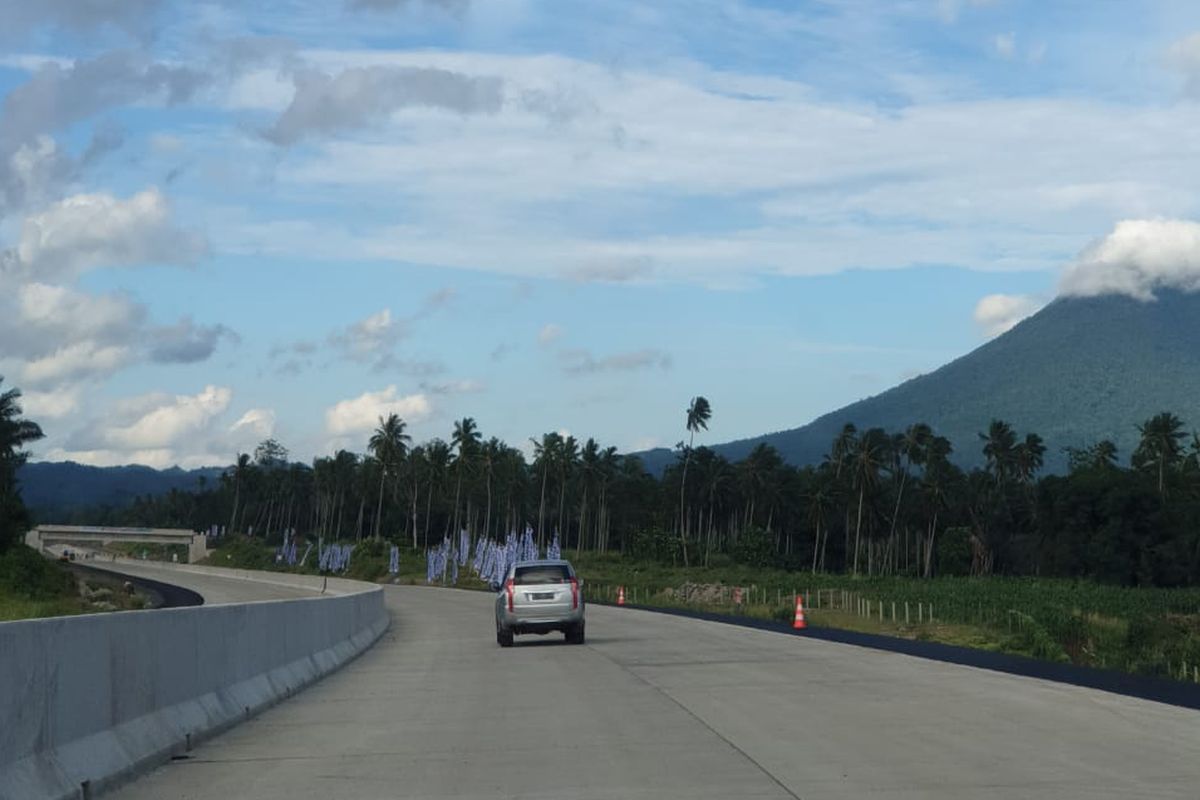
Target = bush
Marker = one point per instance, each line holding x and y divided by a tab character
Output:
754	548
26	574
654	544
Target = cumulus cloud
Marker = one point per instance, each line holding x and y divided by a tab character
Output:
254	426
54	404
362	413
1137	258
370	338
162	430
361	96
186	342
57	95
582	362
75	362
93	230
997	313
549	333
154	422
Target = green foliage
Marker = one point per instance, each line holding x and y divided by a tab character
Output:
954	552
754	548
27	575
655	545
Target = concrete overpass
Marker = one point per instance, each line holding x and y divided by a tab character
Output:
45	535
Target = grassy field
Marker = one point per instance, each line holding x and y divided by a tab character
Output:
1144	631
32	586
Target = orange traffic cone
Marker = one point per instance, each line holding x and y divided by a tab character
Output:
798	622
620	595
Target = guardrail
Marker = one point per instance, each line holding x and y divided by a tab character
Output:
88	702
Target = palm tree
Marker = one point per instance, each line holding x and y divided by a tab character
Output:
870	454
492	453
466	439
1160	446
437	458
544	455
911	446
999	447
699	412
1028	457
820	506
15	433
239	473
568	457
388	445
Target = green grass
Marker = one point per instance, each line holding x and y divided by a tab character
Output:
1144	631
32	586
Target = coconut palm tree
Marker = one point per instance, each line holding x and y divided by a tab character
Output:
490	457
545	453
699	412
388	444
1161	446
15	433
240	468
567	458
1000	444
869	456
466	440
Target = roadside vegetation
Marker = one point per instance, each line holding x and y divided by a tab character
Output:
1097	566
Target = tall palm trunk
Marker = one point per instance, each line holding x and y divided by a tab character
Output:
487	518
379	506
542	509
457	493
858	528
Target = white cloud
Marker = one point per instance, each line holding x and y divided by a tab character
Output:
549	333
362	413
54	404
74	362
1137	258
170	421
997	313
254	426
1004	183
93	230
159	430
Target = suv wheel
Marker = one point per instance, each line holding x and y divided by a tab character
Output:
575	635
504	638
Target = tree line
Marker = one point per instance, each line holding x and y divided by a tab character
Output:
880	502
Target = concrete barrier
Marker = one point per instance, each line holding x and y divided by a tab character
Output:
88	702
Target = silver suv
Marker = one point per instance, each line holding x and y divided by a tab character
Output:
539	597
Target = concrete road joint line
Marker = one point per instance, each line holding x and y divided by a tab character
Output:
701	720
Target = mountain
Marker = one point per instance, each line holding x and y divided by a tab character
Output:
66	485
1078	371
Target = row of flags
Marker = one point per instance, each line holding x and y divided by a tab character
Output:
335	557
491	560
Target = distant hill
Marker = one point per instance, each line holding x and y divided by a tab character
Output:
1080	370
66	485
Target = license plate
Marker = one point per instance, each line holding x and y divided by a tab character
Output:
541	596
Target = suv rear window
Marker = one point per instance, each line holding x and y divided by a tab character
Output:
548	573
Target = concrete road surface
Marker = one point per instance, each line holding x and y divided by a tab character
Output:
214	589
663	707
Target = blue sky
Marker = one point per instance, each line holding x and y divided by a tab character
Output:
219	223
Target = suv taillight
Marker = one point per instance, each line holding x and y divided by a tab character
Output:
508	587
574	592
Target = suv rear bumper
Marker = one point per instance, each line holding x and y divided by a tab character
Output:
518	623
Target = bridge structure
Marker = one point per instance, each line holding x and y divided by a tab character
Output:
45	535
